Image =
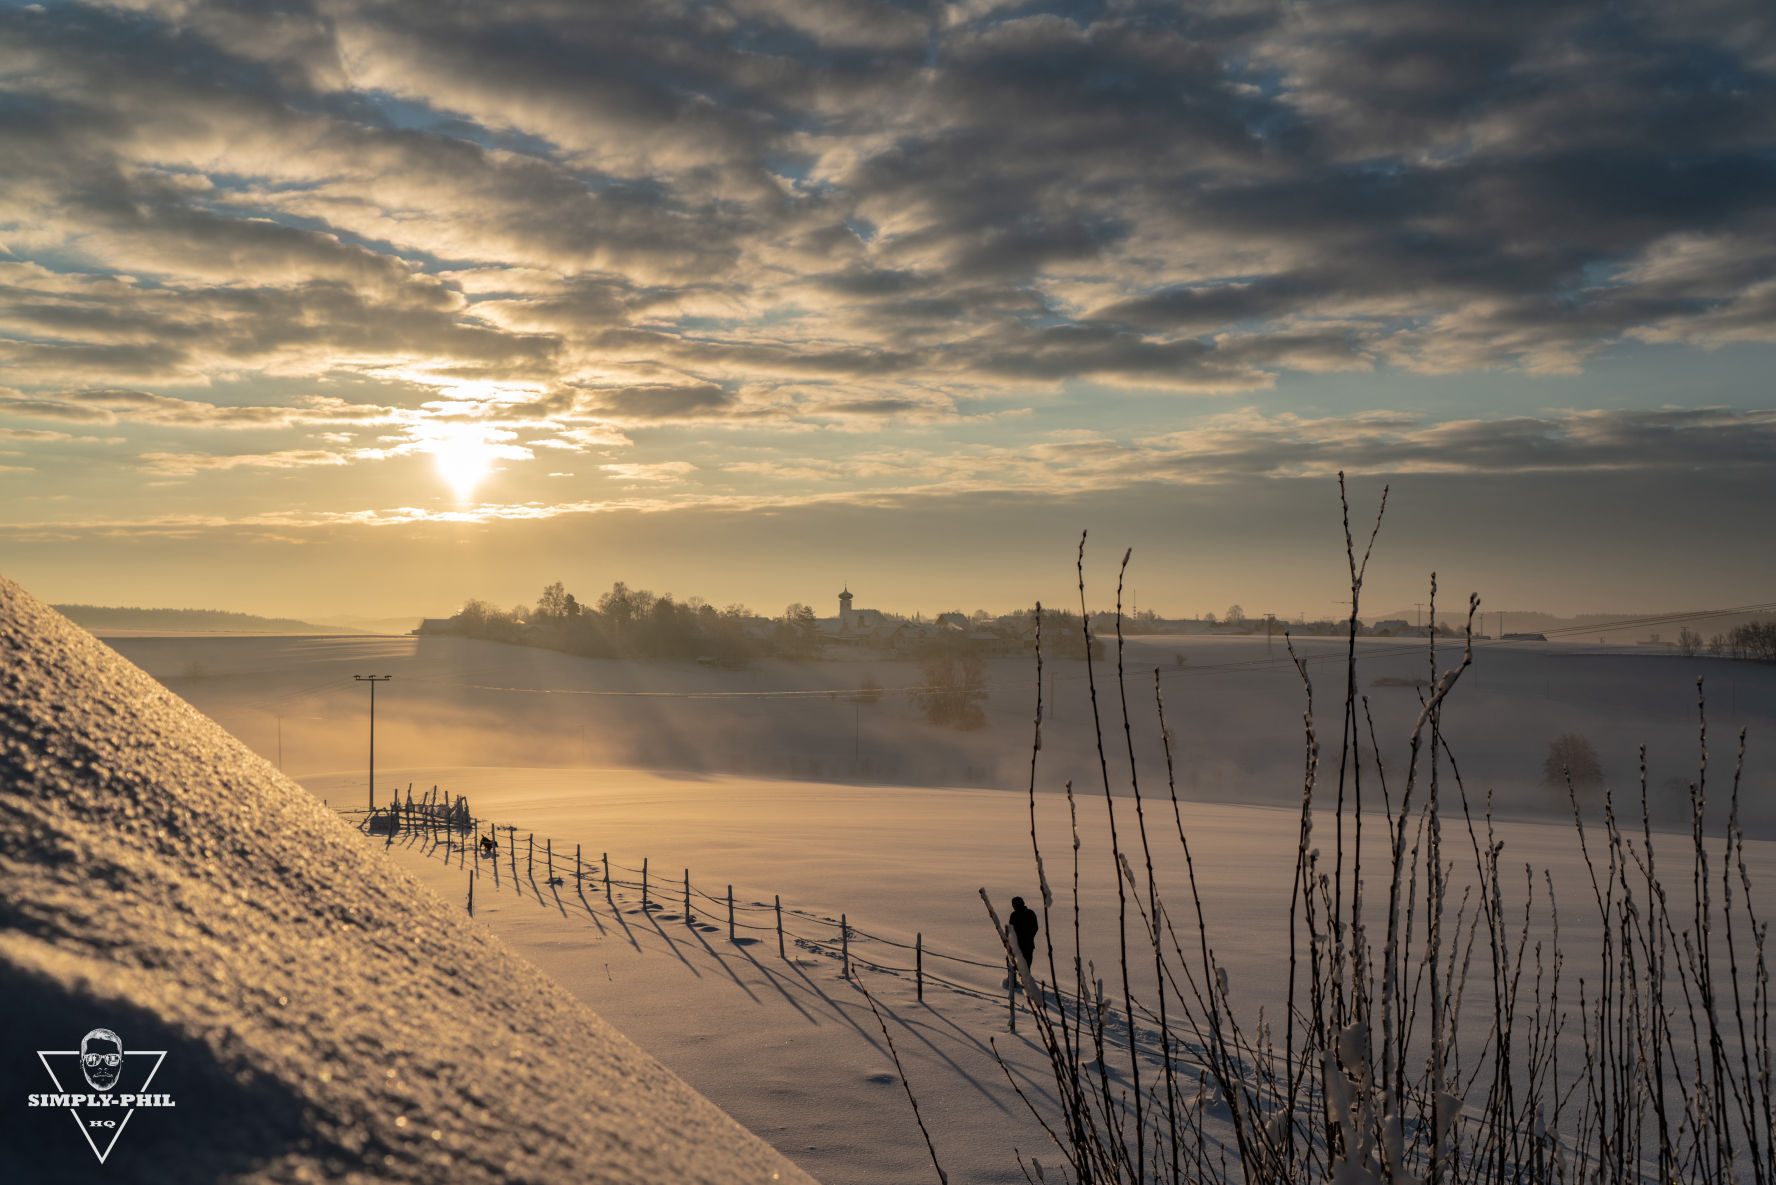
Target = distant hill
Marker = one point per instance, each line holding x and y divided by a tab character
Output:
195	621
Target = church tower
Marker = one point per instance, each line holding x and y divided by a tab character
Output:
845	608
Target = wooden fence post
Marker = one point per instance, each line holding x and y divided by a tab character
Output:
779	899
471	894
644	882
530	855
549	856
919	964
845	945
607	874
689	918
577	873
730	913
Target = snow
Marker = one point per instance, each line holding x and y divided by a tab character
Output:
789	1047
325	1017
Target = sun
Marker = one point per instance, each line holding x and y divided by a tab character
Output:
463	455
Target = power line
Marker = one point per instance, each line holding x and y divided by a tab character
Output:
811	693
290	695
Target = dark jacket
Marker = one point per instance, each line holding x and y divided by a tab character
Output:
1024	925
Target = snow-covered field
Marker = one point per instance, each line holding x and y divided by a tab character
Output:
790	1046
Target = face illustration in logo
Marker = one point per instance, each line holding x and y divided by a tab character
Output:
101	1058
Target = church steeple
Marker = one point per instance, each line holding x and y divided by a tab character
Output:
845	607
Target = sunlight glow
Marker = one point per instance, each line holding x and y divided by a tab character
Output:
463	454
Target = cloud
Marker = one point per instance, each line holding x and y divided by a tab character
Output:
660	403
1394	443
1226	449
662	472
112	405
346	191
49	409
375	226
186	464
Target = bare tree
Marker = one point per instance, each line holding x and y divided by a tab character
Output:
552	605
1572	756
953	687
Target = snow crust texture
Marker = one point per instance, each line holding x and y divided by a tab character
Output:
325	1017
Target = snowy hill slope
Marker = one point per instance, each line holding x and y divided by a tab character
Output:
323	1016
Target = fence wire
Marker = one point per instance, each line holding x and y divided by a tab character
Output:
418	818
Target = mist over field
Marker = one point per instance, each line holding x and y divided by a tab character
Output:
1234	706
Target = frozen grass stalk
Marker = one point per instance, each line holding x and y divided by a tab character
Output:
1428	1053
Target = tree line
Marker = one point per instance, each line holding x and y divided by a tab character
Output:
636	623
1755	640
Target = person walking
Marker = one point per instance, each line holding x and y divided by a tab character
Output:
1023	926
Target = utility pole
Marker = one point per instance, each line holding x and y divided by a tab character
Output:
372	680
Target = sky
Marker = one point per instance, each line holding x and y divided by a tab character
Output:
320	308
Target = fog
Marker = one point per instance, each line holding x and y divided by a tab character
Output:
1234	706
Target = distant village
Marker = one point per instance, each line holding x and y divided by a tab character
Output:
628	622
